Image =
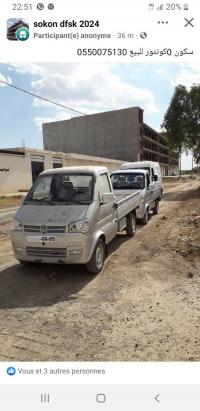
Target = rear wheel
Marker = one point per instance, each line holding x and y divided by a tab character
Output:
96	263
156	208
145	219
131	225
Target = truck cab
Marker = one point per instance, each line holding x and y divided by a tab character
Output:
126	181
154	170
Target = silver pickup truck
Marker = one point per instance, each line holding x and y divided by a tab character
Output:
129	181
70	215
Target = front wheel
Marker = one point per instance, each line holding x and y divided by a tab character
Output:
96	263
131	225
22	262
145	219
156	208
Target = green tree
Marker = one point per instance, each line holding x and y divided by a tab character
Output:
192	131
176	119
182	121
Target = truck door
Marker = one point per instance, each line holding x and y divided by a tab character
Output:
155	185
149	192
107	218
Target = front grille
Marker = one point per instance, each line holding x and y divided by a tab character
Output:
46	252
50	229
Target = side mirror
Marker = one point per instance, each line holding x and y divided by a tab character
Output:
107	198
155	178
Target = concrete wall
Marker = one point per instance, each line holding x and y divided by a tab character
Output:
114	134
16	172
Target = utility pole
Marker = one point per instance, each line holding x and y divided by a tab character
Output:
192	164
180	163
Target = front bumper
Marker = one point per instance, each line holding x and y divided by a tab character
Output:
67	248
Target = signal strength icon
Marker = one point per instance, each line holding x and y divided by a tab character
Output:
161	7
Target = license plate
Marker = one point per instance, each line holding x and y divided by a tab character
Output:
42	238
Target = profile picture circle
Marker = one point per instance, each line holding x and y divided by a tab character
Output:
22	34
51	6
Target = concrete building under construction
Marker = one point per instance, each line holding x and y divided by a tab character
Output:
119	134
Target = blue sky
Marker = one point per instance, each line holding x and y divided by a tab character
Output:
89	88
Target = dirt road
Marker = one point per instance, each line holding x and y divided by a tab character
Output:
144	306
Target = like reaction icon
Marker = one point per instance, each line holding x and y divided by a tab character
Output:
11	371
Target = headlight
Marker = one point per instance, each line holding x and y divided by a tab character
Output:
79	227
16	225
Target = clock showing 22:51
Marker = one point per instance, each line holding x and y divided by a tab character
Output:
22	6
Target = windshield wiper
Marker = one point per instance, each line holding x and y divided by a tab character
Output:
39	201
73	202
82	202
49	202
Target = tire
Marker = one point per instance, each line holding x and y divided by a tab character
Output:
25	262
145	219
131	225
95	265
156	208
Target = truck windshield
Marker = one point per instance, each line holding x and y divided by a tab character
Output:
62	189
126	181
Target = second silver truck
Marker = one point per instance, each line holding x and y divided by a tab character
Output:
128	181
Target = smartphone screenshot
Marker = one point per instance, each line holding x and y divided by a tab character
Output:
99	205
